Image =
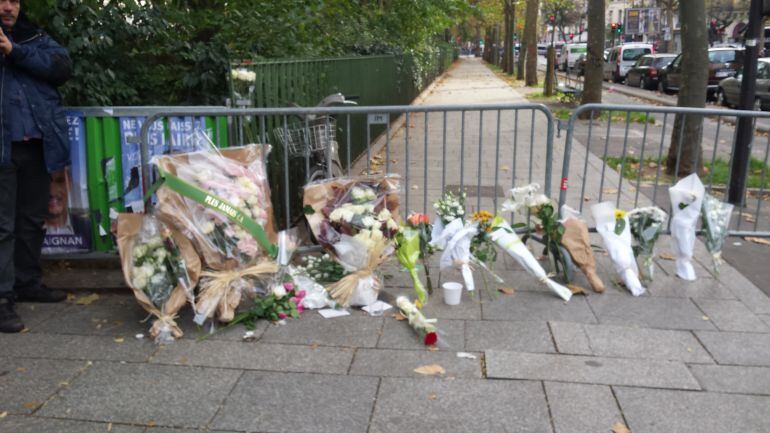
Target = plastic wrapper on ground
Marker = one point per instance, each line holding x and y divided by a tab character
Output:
716	222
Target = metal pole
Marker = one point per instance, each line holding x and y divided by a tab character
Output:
745	130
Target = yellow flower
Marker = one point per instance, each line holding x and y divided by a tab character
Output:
482	216
619	214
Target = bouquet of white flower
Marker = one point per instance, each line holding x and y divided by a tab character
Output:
453	235
161	267
686	200
647	223
613	225
716	222
355	220
220	199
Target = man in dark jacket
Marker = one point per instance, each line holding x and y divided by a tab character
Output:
33	144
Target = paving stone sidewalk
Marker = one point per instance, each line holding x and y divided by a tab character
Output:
684	357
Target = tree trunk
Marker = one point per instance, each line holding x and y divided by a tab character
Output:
530	32
592	81
688	129
507	34
522	57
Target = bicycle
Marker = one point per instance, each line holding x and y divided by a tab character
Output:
314	139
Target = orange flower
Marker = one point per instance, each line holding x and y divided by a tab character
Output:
416	219
482	216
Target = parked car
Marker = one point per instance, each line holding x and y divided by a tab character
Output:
644	73
570	54
723	63
728	92
622	57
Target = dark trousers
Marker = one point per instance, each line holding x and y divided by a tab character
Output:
24	193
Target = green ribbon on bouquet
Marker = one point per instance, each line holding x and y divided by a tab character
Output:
408	254
221	206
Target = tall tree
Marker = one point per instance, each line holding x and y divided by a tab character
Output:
592	83
508	12
530	33
688	129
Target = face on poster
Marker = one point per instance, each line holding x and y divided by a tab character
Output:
68	225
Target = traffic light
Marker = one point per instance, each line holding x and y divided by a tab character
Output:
620	28
551	19
571	36
614	27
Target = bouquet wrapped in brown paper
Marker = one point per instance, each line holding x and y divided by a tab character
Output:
355	220
220	199
577	243
161	267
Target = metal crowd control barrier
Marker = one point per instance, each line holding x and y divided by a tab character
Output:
625	162
481	149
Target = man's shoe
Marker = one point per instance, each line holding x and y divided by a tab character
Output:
40	293
10	322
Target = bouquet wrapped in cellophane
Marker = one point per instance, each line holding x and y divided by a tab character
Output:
716	222
355	221
453	235
220	199
686	200
647	223
525	199
613	225
161	267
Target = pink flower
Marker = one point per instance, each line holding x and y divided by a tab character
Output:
301	294
282	316
288	286
295	300
300	308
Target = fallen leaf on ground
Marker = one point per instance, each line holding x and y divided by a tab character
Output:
399	317
415	187
610	191
432	397
749	217
87	300
118	340
705	317
314	346
152	424
586	198
21	369
667	256
109	427
619	427
31	405
506	290
757	240
3	415
430	370
505	168
576	290
433	349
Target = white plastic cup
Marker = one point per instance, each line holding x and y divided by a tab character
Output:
452	293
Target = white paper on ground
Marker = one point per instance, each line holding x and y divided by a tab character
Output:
466	355
330	313
618	246
377	307
689	192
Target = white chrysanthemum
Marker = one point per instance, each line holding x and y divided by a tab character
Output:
160	254
336	215
368	221
384	215
392	224
139	251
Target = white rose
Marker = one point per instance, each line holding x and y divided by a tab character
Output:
279	291
207	227
148	270
392	224
384	215
357	193
336	215
139	281
160	254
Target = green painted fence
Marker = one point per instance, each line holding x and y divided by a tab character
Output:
374	80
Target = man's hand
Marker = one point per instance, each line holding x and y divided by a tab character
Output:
5	44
